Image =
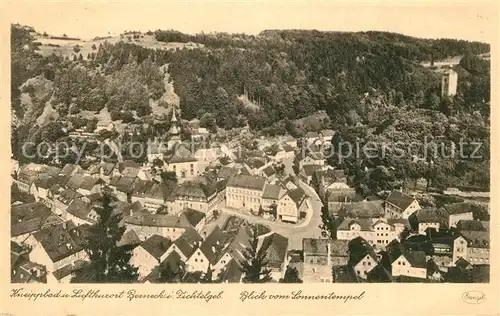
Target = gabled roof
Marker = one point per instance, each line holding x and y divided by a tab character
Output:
68	169
247	182
193	216
400	200
58	242
338	248
68	195
310	169
366	224
358	249
107	168
195	189
129	238
297	195
458	208
272	191
275	246
254	163
75	181
472	225
269	171
431	215
27	218
181	154
80	209
227	172
89	182
417	259
125	184
45	182
188	242
213	245
156	245
231	273
240	242
477	239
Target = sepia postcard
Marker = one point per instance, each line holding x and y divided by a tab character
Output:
249	158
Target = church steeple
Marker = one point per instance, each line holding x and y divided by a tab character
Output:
174	131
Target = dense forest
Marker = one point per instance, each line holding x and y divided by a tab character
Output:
371	84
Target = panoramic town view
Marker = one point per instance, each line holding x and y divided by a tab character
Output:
290	156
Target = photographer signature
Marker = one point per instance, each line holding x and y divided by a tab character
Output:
473	297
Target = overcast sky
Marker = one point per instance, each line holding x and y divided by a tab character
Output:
88	19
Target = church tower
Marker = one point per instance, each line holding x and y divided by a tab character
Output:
174	133
449	83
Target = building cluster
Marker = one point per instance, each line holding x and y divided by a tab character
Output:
395	240
164	218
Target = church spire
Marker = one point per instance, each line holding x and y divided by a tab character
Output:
174	118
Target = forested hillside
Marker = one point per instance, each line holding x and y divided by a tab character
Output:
371	81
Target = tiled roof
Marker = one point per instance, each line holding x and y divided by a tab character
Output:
231	273
338	248
80	209
430	215
297	195
472	225
400	200
188	241
477	239
227	172
366	224
247	182
417	259
195	189
358	249
193	216
310	169
89	182
68	169
157	220
75	181
269	171
69	269
107	168
365	209
275	246
58	242
156	245
272	191
213	245
27	218
129	238
458	208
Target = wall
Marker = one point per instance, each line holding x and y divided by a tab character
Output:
143	260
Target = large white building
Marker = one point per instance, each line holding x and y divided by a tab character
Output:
244	191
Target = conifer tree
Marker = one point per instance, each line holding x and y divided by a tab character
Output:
254	265
291	276
109	262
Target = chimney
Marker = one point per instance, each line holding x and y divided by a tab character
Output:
65	225
213	249
68	245
204	235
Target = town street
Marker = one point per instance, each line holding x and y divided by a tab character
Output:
309	228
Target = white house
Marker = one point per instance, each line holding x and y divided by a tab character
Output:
410	264
148	254
400	205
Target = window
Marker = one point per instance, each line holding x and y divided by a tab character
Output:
399	263
369	263
195	260
201	260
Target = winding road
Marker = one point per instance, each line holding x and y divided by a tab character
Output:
308	228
